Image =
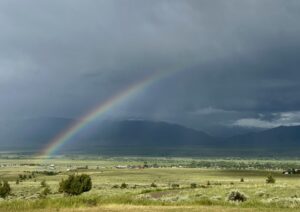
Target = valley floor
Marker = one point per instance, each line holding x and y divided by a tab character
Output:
151	184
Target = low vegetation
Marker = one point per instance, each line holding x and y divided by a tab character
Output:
75	184
4	189
237	196
270	179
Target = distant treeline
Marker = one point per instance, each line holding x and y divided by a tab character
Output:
242	165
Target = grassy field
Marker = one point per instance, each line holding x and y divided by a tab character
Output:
171	180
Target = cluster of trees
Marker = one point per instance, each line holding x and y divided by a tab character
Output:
48	173
24	176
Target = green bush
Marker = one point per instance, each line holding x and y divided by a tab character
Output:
4	189
236	195
175	185
75	184
270	179
193	185
124	185
153	185
46	191
43	183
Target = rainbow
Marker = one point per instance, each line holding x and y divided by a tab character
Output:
97	112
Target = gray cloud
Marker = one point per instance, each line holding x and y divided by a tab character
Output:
60	58
279	119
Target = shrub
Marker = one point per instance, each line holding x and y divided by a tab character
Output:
153	185
43	183
208	183
242	180
75	184
115	186
236	195
270	179
175	185
22	177
193	185
49	173
124	185
4	189
46	191
17	181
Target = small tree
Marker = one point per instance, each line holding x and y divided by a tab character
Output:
242	180
270	179
4	189
75	184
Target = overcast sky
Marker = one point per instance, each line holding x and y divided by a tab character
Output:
239	60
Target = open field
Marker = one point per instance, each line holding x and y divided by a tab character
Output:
171	180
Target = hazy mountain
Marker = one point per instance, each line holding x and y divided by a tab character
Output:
148	133
279	137
37	133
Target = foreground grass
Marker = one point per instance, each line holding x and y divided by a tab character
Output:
130	201
139	208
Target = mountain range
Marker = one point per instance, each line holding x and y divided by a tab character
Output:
138	135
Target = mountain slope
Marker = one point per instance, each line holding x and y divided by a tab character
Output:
36	133
279	137
141	132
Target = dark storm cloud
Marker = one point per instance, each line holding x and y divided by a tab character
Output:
239	59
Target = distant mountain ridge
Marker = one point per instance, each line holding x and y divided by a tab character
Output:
148	133
279	137
36	133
